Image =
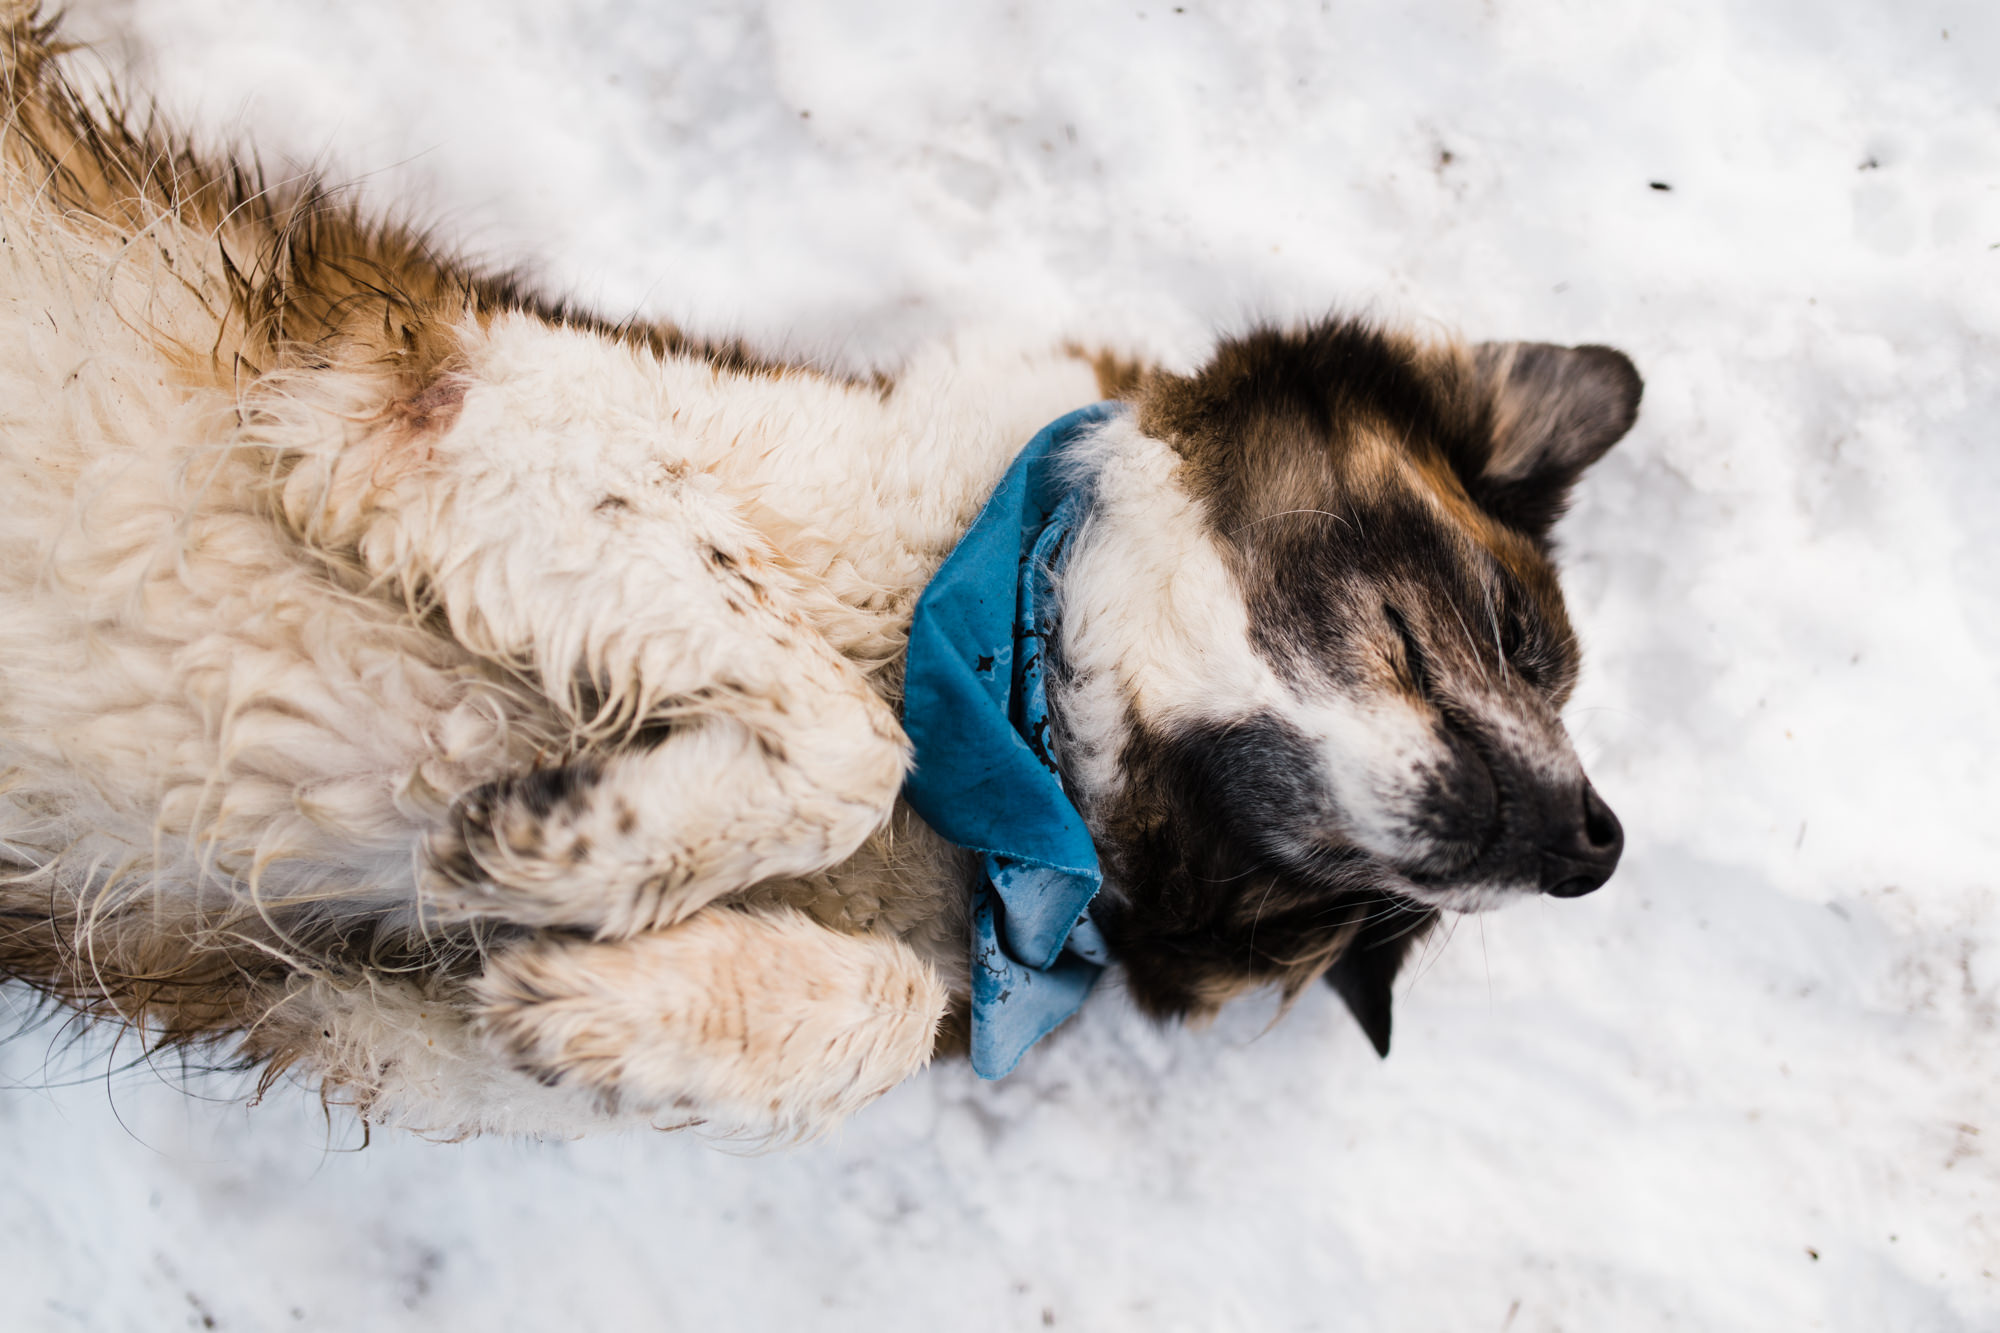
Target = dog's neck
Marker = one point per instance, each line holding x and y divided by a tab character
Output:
1151	617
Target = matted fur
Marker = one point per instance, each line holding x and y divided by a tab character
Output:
488	711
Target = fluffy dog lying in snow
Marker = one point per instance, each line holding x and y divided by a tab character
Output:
491	712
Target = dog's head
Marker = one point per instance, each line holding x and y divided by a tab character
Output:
1316	655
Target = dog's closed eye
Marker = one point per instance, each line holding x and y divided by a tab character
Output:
1416	667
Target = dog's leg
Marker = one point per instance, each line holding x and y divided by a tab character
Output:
754	752
554	530
758	1021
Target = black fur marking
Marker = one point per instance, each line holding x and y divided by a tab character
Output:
1341	466
543	791
482	813
1279	415
1364	975
1204	903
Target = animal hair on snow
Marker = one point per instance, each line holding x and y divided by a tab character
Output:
486	712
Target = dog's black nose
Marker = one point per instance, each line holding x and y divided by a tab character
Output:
1583	856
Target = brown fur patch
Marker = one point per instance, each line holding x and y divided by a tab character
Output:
1117	376
432	409
212	985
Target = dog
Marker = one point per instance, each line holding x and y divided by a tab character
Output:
489	713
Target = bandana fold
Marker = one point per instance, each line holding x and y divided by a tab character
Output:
976	709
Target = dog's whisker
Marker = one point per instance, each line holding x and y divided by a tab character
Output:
1322	513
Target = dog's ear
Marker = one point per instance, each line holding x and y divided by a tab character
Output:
1365	972
1553	412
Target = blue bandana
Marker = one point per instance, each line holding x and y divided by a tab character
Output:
986	778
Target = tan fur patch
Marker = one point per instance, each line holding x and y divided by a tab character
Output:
760	1021
1117	376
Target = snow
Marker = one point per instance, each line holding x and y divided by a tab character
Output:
1752	1085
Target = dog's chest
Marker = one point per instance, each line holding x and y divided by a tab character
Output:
905	881
858	493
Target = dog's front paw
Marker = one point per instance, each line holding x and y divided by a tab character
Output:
637	840
763	1023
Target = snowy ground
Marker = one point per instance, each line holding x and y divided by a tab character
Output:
1753	1085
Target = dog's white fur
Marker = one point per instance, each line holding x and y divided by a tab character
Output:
193	705
223	685
573	653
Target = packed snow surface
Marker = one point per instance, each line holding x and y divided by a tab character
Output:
1754	1084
